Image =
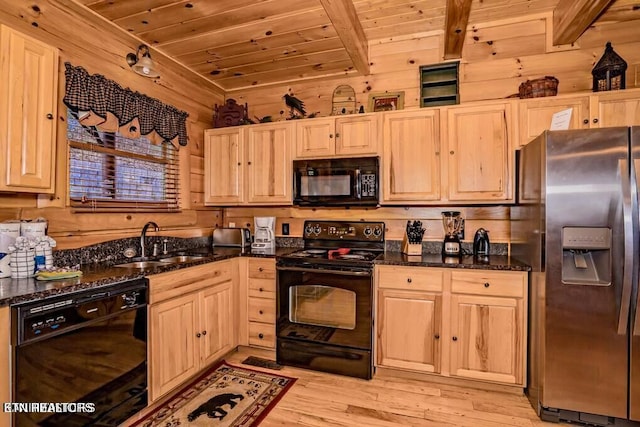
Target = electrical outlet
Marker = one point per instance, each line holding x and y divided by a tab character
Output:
285	229
232	224
461	232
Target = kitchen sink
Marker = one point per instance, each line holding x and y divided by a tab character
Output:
182	258
141	264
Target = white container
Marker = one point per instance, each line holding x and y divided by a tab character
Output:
23	263
9	231
33	229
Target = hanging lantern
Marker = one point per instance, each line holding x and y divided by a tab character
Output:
609	72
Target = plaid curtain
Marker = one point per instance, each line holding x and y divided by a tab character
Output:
104	103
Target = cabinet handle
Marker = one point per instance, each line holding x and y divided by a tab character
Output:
239	164
50	116
261	289
585	121
437	336
204	332
260	269
454	338
198	335
249	163
452	152
261	336
330	135
595	120
486	284
337	135
261	312
408	279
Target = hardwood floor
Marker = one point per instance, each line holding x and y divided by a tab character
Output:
319	399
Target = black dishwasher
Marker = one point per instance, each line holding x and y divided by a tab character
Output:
84	351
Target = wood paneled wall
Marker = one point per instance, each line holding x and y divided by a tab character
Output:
86	40
497	57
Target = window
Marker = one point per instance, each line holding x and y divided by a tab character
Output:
108	171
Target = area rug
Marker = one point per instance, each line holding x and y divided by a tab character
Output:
225	396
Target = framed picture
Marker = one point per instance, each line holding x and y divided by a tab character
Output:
386	101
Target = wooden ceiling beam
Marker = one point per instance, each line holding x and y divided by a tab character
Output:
572	18
344	18
457	17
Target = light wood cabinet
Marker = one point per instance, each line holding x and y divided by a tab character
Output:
249	165
468	324
191	322
488	326
354	135
601	109
411	157
261	310
480	153
409	318
28	110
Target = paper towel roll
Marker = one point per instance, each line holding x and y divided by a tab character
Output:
9	231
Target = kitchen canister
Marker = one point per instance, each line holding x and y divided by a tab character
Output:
22	259
33	229
9	232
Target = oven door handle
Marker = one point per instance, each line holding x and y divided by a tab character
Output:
325	270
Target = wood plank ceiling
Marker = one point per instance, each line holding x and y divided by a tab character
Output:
246	43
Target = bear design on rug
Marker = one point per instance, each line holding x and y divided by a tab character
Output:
213	406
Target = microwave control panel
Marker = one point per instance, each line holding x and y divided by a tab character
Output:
368	187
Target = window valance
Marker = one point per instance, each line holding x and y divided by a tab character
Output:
105	104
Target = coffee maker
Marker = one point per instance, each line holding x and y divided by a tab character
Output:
452	223
264	233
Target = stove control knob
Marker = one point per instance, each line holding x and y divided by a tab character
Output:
130	299
367	231
308	230
317	229
377	231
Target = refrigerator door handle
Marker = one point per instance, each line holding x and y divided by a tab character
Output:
636	321
625	303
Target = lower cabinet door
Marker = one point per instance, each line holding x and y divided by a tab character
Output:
409	330
487	338
216	325
173	355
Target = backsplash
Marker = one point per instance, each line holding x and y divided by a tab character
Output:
113	251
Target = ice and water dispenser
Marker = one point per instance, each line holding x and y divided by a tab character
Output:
586	256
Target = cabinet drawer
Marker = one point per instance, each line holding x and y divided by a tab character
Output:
262	268
501	284
262	310
410	278
262	288
262	334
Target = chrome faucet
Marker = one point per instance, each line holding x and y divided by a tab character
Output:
143	236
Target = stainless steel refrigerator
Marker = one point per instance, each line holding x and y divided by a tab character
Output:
576	223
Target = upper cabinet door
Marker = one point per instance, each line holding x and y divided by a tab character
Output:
315	138
535	115
480	159
357	135
411	159
223	166
269	165
28	110
615	108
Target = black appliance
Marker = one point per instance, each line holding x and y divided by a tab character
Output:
88	348
325	298
336	182
481	246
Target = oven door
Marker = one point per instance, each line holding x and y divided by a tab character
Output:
336	182
325	320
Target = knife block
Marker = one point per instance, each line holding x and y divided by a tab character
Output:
411	248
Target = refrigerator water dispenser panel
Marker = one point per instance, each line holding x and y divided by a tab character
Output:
586	256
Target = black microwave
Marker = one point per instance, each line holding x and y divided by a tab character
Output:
336	182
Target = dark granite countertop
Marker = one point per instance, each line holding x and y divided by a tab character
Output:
15	291
493	262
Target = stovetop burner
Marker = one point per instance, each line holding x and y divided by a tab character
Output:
335	254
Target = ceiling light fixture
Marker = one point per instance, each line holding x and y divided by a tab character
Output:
141	62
